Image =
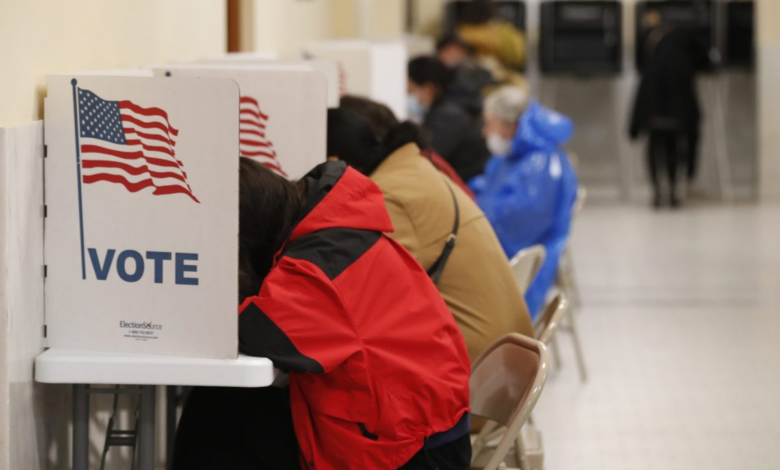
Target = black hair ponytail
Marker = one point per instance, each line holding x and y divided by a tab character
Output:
352	139
405	133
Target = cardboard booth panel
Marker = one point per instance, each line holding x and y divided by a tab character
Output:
327	67
374	69
141	239
283	114
117	73
254	55
389	76
22	403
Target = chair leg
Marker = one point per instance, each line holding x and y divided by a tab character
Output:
483	439
573	288
567	281
575	337
522	460
556	353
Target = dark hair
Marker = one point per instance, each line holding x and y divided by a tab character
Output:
452	39
352	139
268	210
427	69
379	117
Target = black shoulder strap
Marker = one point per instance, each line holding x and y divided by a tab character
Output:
438	267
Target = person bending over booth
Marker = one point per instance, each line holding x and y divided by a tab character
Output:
377	367
431	216
529	187
450	116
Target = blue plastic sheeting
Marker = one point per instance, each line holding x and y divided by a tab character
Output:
529	194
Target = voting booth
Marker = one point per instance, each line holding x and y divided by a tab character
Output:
139	174
581	37
327	67
283	113
141	242
373	69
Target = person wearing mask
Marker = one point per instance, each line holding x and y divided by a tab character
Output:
529	188
378	371
382	119
440	226
666	104
450	119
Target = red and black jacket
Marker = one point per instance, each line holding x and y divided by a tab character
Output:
377	364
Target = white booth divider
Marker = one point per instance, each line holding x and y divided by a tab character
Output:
283	112
374	69
23	404
327	67
141	228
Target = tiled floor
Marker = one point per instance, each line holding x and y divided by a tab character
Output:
681	333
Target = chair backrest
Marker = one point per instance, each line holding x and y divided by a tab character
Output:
551	317
526	264
506	381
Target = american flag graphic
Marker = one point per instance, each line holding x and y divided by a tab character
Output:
124	143
252	140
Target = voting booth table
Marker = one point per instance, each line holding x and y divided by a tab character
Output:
141	230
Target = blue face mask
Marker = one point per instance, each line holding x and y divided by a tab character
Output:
416	110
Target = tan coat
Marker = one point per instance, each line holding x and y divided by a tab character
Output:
477	283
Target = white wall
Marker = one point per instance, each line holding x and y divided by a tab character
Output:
49	36
284	26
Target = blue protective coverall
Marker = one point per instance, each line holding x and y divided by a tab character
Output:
529	194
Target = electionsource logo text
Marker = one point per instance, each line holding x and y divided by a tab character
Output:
142	326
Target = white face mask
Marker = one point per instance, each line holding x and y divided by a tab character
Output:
498	145
416	110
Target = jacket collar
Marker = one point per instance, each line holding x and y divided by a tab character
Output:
400	155
338	196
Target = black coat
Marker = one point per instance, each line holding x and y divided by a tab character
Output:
667	92
456	135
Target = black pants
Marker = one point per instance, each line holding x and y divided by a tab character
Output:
667	149
251	428
236	429
455	455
